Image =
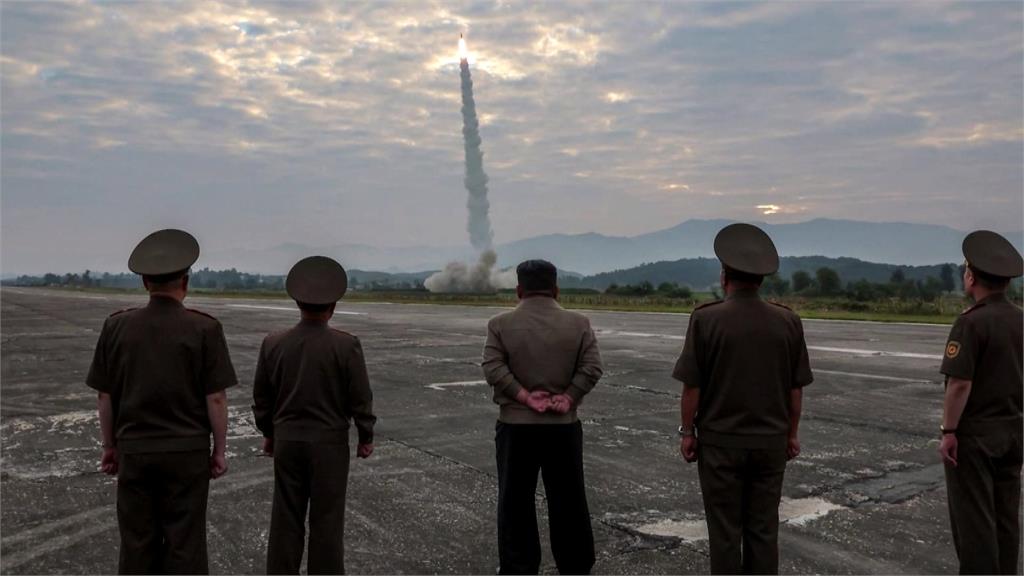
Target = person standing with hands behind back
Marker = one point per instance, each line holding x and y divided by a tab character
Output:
541	361
310	382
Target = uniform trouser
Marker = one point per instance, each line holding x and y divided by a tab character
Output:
161	512
984	502
742	489
313	475
556	451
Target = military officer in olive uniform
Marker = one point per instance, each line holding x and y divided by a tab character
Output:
744	365
161	372
310	383
981	426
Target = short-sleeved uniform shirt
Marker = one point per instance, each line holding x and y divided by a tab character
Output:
311	382
159	363
984	347
746	356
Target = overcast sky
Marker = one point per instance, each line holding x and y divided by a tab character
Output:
258	124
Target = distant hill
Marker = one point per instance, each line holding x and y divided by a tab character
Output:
889	242
701	273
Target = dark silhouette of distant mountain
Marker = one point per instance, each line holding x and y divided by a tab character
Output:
888	242
891	243
702	273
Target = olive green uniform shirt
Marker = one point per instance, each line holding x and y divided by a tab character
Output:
311	381
985	347
159	363
540	346
745	355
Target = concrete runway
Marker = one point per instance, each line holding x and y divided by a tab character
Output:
866	496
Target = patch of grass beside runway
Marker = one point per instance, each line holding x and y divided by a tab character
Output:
942	311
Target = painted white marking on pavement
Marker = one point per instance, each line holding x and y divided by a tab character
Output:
287	309
875	376
443	385
852	351
638	334
860	352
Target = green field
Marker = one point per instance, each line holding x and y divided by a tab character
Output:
941	311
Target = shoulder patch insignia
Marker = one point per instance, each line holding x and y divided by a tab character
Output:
200	312
122	311
952	349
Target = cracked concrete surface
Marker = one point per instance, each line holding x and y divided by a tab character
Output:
866	496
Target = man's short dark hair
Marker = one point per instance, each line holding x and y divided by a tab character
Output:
989	281
537	276
314	308
742	277
160	279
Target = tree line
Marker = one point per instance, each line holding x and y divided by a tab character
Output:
203	279
823	282
230	280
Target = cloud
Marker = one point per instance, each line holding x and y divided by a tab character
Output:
258	123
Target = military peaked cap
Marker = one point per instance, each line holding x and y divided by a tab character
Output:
746	248
317	280
992	254
164	252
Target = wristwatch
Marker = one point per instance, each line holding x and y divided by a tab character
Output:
947	430
684	431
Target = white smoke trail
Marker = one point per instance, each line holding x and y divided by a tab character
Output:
479	225
482	276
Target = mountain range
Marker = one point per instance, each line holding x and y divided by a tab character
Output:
592	253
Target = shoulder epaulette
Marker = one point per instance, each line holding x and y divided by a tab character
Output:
343	332
973	308
707	304
122	311
779	305
200	312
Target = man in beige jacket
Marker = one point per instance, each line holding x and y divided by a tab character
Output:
541	361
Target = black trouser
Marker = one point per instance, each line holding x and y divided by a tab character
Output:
161	512
556	451
313	475
742	489
984	502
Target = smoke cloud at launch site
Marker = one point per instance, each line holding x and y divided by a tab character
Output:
478	277
481	276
